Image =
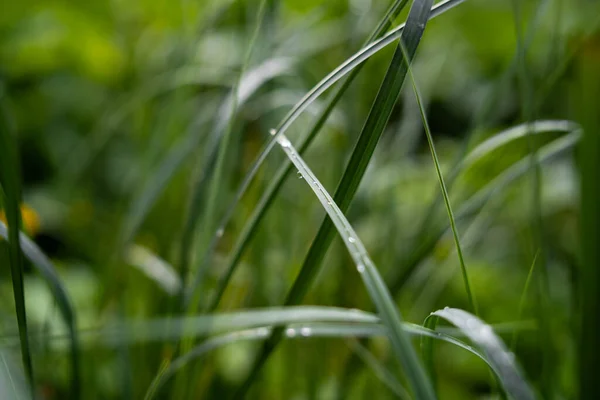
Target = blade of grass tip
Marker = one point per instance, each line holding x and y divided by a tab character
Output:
586	91
216	183
344	69
513	344
277	182
479	198
359	160
10	181
44	266
440	176
376	288
503	362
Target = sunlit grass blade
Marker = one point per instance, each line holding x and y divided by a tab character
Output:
376	288
10	194
496	353
48	271
13	384
343	70
474	203
376	122
276	183
440	176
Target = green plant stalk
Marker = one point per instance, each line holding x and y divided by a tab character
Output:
586	93
359	160
277	182
543	298
443	188
217	178
513	344
10	183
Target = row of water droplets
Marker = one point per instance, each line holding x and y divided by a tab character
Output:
356	249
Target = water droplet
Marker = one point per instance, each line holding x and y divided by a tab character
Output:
299	175
486	331
305	331
329	202
284	142
290	332
351	239
272	132
360	268
220	232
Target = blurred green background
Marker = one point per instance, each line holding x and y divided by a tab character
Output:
103	93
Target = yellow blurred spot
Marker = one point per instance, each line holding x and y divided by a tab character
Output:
29	218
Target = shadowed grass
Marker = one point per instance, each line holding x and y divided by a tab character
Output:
10	193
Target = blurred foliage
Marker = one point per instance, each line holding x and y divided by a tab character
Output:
102	91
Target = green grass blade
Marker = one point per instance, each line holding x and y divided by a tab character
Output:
249	83
10	182
277	182
48	271
440	176
513	343
375	285
216	181
586	90
494	349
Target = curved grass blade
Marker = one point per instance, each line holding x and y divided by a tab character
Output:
376	288
296	331
375	124
498	356
440	176
284	171
46	269
10	184
350	64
